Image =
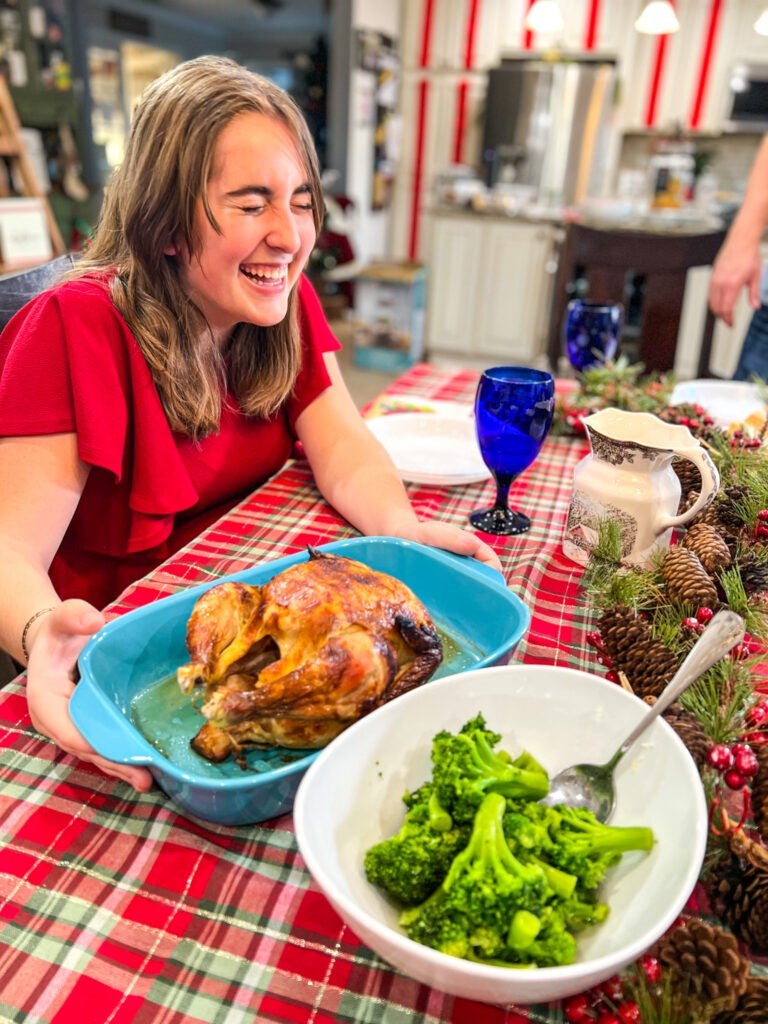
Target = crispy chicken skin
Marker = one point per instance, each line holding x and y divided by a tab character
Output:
294	662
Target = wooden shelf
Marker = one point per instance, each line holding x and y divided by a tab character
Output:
13	151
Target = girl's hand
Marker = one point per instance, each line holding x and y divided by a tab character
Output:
58	639
452	538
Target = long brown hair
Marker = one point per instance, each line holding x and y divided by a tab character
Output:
150	205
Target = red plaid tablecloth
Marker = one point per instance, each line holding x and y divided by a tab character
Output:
116	909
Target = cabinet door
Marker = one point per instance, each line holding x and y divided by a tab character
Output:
453	295
514	300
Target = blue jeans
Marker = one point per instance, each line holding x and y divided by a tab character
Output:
753	361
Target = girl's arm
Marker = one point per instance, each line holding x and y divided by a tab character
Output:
41	482
357	477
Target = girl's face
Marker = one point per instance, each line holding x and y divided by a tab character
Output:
260	197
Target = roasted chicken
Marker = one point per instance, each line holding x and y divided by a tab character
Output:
294	662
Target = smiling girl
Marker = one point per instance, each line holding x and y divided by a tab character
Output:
172	373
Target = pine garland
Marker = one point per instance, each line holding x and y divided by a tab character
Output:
725	702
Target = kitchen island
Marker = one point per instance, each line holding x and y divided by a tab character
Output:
499	283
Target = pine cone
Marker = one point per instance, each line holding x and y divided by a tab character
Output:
688	582
738	892
709	547
647	663
759	792
752	1007
704	960
722	514
754	574
688	475
691	732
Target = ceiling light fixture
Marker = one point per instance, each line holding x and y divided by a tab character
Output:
657	18
761	25
544	16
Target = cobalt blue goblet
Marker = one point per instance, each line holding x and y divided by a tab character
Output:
592	332
514	406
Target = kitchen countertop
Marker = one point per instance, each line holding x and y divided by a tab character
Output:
673	222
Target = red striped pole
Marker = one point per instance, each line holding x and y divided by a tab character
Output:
421	122
656	76
705	69
590	32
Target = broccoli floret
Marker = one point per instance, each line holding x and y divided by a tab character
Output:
585	847
582	911
554	945
530	826
465	767
410	865
476	910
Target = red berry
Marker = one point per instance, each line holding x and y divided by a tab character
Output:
605	659
594	638
608	1018
629	1012
612	676
691	623
704	614
758	713
751	646
720	757
744	761
734	779
612	988
577	1009
762	515
651	969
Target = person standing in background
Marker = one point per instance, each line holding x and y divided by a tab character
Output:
739	264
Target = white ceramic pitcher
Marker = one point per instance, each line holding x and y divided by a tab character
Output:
628	478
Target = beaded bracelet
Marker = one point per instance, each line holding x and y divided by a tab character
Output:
25	631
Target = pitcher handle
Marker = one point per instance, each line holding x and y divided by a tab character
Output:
710	482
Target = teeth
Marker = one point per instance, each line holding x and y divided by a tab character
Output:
275	274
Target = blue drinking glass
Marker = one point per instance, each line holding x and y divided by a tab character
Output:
592	332
514	406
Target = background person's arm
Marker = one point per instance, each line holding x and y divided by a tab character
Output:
738	264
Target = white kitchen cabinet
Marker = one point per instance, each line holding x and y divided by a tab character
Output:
490	287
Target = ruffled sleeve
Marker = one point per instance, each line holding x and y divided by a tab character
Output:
68	362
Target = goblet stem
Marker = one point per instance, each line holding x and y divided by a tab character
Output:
499	518
503	483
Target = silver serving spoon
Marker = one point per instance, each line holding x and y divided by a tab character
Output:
591	785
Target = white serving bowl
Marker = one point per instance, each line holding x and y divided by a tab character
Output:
351	797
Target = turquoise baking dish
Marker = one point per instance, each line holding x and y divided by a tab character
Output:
128	707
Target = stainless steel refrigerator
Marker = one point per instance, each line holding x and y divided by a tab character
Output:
548	124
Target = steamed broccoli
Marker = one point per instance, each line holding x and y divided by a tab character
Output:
490	905
410	865
585	847
465	767
482	870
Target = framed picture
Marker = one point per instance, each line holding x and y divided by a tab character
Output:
24	236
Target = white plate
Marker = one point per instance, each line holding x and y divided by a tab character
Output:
431	448
726	401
